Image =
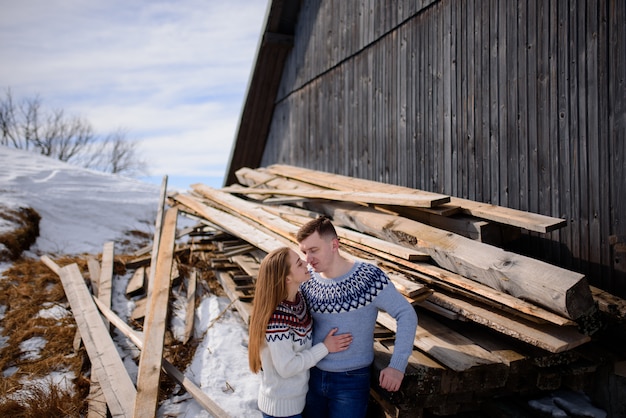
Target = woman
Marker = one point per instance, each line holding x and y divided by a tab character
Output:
280	335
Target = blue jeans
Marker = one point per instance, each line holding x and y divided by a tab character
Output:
290	416
338	394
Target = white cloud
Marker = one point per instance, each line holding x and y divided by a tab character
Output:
171	73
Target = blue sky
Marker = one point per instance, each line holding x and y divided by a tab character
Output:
171	74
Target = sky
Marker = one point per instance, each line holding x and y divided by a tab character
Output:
171	74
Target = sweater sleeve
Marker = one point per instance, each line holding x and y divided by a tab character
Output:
392	302
288	362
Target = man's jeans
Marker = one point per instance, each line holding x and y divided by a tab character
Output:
338	394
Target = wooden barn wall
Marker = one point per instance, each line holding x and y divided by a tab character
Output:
520	104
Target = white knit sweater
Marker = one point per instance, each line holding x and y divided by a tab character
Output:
286	358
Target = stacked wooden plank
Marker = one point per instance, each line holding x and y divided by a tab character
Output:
491	322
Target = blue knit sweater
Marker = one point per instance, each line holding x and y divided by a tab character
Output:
351	303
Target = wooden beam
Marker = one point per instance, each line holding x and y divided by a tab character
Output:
155	323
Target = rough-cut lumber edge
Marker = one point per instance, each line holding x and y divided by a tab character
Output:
149	370
207	403
117	386
527	220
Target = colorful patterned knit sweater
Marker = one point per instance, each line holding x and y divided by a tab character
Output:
286	358
351	303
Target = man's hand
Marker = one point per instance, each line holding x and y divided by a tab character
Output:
390	379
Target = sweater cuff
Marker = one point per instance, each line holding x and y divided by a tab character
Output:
398	364
319	351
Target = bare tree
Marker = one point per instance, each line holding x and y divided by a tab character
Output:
25	125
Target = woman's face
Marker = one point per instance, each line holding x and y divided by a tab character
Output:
298	271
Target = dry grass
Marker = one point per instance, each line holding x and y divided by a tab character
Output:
23	236
30	286
25	289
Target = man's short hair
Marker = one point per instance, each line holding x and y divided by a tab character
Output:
321	225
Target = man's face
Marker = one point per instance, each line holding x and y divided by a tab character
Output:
318	251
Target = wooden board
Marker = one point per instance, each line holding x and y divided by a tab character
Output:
106	363
105	280
244	307
149	369
381	198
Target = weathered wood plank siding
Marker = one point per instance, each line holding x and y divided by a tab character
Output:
520	104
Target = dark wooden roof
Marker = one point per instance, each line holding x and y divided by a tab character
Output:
275	43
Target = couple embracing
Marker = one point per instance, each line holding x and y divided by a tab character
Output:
312	329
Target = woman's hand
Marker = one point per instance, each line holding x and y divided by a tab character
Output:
336	343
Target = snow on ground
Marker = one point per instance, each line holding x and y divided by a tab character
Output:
81	210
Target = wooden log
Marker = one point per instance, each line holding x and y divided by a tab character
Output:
155	322
527	220
106	364
554	288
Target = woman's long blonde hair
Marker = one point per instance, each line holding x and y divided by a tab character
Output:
271	289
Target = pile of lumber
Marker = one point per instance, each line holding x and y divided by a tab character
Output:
491	322
112	391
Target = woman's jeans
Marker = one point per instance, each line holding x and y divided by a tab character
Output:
338	394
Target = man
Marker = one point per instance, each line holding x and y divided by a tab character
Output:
347	295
